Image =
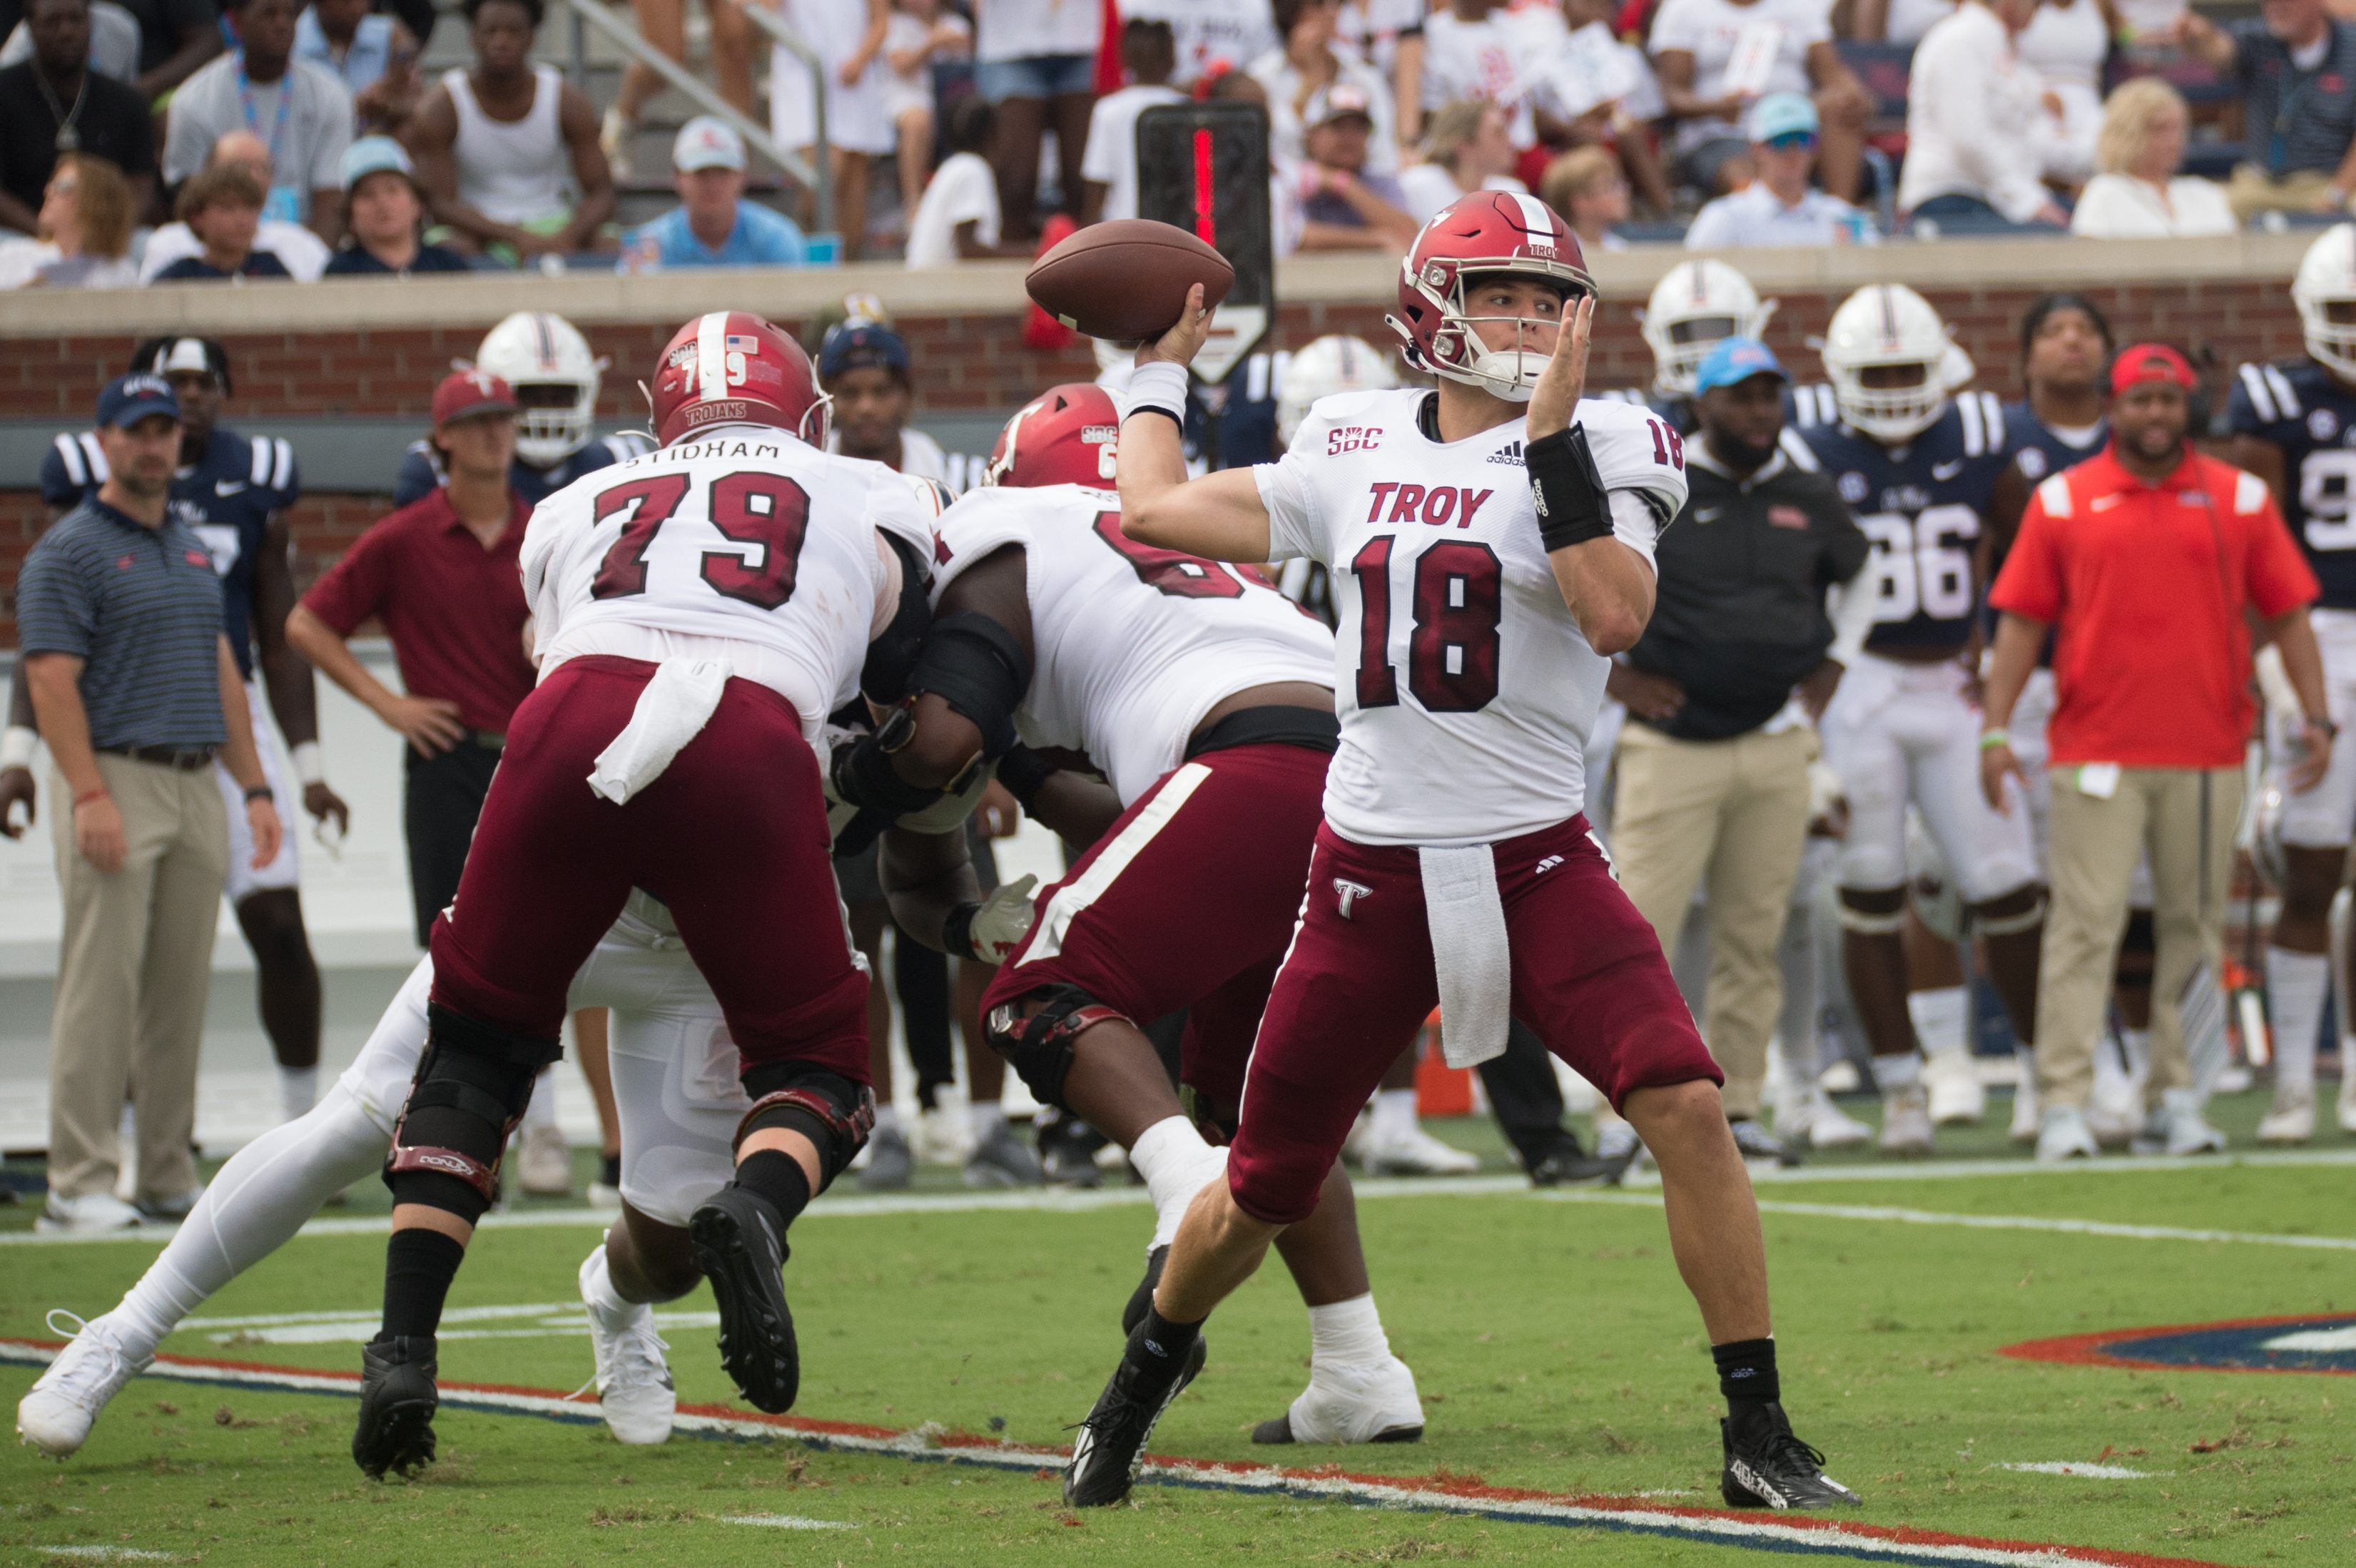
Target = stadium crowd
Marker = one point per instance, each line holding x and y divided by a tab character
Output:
1722	122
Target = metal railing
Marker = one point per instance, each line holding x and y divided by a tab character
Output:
769	22
625	36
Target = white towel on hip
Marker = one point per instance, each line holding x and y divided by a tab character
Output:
1467	949
676	704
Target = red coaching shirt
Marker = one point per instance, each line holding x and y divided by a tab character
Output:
453	610
2145	585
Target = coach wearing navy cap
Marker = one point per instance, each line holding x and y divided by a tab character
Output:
135	692
1721	692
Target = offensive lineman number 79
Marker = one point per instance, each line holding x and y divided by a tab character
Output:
765	516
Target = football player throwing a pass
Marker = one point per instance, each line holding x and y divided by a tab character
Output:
1453	864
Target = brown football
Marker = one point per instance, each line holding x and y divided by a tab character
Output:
1127	280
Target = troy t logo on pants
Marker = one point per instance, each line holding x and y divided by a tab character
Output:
1349	892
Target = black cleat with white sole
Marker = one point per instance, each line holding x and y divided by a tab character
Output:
397	1404
1141	1298
740	1245
1767	1465
1110	1448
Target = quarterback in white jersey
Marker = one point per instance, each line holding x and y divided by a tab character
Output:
1453	866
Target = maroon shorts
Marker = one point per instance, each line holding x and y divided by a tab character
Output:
1588	976
732	836
1187	903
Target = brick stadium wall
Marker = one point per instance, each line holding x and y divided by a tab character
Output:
978	362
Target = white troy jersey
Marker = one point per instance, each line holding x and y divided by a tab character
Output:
741	543
1465	688
1131	645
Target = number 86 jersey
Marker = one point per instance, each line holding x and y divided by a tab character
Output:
1466	689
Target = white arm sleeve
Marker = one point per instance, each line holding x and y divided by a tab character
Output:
1852	614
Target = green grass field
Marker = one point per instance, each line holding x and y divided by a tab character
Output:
1554	1346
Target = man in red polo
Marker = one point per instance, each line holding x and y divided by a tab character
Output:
443	576
2146	560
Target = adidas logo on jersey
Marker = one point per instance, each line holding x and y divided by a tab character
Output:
1509	453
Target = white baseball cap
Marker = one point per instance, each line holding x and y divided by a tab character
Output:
706	142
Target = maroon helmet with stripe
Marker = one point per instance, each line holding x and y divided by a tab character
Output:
729	366
1067	435
1483	232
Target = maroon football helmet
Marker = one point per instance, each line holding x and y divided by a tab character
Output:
1485	232
1067	435
731	367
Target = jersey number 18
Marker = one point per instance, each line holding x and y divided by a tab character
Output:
1459	600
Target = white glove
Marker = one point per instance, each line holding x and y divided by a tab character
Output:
1003	921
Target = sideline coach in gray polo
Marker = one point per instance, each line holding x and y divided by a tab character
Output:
119	617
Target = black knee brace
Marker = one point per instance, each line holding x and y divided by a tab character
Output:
1039	1048
470	1090
822	1106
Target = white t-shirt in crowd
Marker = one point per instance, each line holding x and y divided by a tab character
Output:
1710	31
913	90
1909	20
305	254
1276	72
1757	216
1111	156
1427	187
1484	59
1236	31
964	189
1025	29
2120	206
1974	112
1373	28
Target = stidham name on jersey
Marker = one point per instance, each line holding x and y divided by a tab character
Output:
694	449
1439	504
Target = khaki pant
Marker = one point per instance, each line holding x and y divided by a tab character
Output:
1732	814
2252	190
134	963
2095	843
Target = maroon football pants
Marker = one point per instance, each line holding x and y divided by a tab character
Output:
732	836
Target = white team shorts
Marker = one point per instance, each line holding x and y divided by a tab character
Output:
2322	817
1898	732
674	1064
285	870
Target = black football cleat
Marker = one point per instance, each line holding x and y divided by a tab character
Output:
1568	1165
1110	1448
1141	1298
740	1245
397	1404
1768	1467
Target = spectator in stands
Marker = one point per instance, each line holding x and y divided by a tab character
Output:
714	225
2065	43
1036	63
920	32
222	208
507	151
54	104
1717	57
114	39
848	37
303	253
734	44
442	575
1341	205
2139	195
176	36
957	220
2144	746
385	210
1779	208
119	618
1585	186
1388	36
1307	61
300	110
1110	164
1972	113
373	55
1897	21
83	239
1213	37
1471	52
2296	67
1466	149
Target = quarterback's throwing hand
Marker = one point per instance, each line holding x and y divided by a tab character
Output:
1183	341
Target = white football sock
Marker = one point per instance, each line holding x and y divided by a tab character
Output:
1896	1073
542	1112
1347	1334
298	1089
887	1118
1394	1115
251	1209
2296	983
597	1292
1176	1164
1940	1018
984	1116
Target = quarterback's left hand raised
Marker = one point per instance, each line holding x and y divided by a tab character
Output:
1003	920
1557	395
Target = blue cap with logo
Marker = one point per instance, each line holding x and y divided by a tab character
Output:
859	342
1733	360
127	399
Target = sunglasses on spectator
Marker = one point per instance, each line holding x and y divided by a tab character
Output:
1793	142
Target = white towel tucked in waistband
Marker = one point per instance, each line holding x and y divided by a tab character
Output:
675	705
1467	949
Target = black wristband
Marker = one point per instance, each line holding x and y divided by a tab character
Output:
259	791
1572	505
956	932
1023	772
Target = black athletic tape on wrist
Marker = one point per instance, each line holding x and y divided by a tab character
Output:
1024	772
956	932
865	777
1572	505
975	665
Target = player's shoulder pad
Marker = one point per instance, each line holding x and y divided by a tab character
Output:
1798	452
1815	406
1633	451
418	476
272	463
2055	497
1981	417
74	464
2264	395
1395	407
625	444
986	519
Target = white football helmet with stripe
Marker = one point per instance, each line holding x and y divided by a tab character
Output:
533	349
1694	305
1890	328
2325	293
1327	367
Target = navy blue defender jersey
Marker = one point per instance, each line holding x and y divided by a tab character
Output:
1922	504
226	496
1676	412
421	467
2310	416
2040	450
